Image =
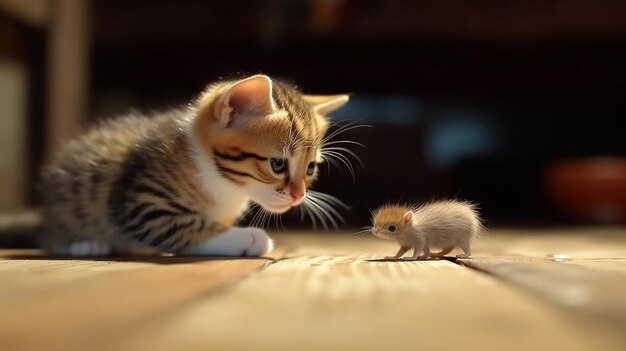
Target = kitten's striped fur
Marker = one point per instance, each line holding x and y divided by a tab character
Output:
178	181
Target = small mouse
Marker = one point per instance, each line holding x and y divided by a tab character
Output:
444	224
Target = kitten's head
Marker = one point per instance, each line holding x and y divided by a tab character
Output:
391	221
264	137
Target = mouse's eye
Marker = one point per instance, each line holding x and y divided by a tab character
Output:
392	228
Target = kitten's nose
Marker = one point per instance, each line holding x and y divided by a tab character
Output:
297	190
296	195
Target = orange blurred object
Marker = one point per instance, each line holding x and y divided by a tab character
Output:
589	189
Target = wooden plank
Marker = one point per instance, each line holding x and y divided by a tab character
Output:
594	288
327	294
580	269
34	12
323	293
577	242
50	304
68	72
14	121
616	265
577	285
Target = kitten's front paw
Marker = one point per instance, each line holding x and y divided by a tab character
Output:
235	242
85	248
261	242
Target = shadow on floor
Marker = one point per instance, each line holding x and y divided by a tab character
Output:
38	255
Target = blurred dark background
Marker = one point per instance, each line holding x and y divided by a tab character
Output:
475	100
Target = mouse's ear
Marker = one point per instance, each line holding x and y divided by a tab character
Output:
408	216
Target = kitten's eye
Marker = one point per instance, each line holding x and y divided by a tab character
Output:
279	165
310	169
392	228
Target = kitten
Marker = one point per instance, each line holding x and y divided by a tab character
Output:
177	182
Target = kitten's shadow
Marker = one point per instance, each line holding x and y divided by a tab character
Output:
156	259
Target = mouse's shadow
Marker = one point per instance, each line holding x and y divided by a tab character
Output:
444	258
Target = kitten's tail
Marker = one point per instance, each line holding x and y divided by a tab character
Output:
20	230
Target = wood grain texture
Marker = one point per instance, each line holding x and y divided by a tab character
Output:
327	294
551	290
575	242
50	304
582	270
575	284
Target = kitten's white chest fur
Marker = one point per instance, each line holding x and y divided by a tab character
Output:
232	200
230	204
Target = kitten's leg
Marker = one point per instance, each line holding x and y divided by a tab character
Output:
92	248
95	248
190	234
467	252
234	242
401	252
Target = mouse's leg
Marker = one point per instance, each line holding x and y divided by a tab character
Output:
467	252
426	253
401	251
442	253
416	254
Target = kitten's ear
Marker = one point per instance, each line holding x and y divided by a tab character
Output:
325	104
245	97
408	216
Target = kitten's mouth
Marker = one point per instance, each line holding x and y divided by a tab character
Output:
277	208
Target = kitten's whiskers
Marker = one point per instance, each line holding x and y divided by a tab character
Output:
343	159
335	155
258	219
322	207
345	128
307	209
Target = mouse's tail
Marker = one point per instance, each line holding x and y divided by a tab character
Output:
20	230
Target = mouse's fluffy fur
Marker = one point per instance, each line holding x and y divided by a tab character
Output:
444	224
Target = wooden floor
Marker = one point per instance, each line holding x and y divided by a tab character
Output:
522	290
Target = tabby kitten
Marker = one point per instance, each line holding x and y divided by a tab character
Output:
177	182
